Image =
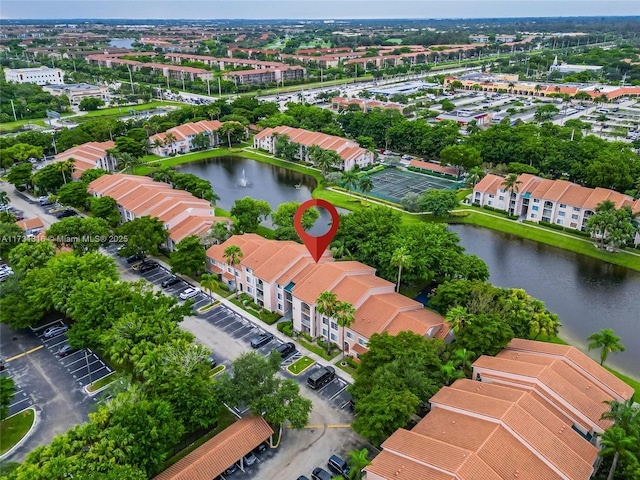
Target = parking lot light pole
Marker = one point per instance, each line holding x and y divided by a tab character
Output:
86	357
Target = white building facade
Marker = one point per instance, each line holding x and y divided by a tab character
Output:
39	76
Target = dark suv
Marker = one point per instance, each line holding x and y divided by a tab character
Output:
135	258
65	213
170	281
286	349
338	465
148	266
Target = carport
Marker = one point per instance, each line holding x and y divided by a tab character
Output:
213	457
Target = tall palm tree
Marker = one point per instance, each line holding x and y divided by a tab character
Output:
357	460
365	184
209	281
349	179
463	358
401	259
157	144
345	318
450	373
232	255
169	140
456	318
511	86
537	88
512	185
607	342
164	174
67	166
616	441
126	161
474	175
327	304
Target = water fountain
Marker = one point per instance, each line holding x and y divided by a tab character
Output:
243	180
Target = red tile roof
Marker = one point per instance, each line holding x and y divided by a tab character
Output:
433	167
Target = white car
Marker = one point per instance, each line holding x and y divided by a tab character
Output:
189	293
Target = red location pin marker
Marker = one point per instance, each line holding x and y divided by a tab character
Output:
316	245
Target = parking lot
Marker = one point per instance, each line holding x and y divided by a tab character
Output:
83	365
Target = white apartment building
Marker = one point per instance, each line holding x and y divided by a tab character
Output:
39	76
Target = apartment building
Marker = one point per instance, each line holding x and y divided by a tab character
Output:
182	214
282	277
170	71
553	201
89	155
523	417
224	62
181	138
350	152
266	75
39	75
340	103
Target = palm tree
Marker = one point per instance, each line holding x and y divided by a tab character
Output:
169	140
126	161
67	166
512	185
456	318
327	304
339	250
365	185
616	441
607	341
626	415
463	358
357	461
4	198
537	88
232	254
209	281
401	259
344	318
450	372
164	174
474	175
157	144
511	86
349	179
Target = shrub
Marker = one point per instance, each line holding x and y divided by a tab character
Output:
307	336
225	287
286	328
269	317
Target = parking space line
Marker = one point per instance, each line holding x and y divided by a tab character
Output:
25	399
24	353
338	393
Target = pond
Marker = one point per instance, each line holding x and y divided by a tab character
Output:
122	42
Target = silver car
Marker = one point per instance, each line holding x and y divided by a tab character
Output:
55	331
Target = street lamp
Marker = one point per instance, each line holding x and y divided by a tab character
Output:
86	357
182	75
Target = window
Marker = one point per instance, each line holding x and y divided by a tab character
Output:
489	203
534	215
574	217
562	205
279	296
350	335
559	221
279	286
491	195
501	197
325	321
324	332
561	214
362	342
249	290
279	306
334	337
534	208
334	326
248	270
576	209
249	279
536	200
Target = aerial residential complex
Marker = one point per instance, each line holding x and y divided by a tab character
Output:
282	277
553	201
182	214
532	412
89	155
350	152
179	139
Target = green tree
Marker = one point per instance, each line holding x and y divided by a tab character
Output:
189	257
143	235
327	304
282	218
607	341
357	461
401	259
200	141
220	232
83	235
463	157
344	318
232	255
617	442
545	113
105	208
20	175
438	202
31	255
234	132
7	391
447	106
349	179
484	334
512	185
248	214
92	174
74	195
89	104
365	185
209	281
50	178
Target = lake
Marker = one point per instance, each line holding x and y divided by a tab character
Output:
122	42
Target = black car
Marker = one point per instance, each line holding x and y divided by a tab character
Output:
148	266
286	349
212	361
170	281
65	213
321	474
135	258
260	448
261	340
338	465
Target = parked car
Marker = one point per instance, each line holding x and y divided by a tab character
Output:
250	459
135	258
189	293
260	448
53	331
338	465
212	361
261	340
148	266
170	281
65	213
286	349
231	470
66	349
321	377
302	477
320	474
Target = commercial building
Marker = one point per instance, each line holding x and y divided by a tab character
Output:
554	201
350	152
465	117
567	68
181	213
39	76
282	277
181	137
75	92
89	155
530	414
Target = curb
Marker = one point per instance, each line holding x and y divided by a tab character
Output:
302	371
85	389
36	421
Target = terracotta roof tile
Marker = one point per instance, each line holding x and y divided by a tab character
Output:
325	277
395	467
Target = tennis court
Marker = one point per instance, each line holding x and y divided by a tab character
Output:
393	184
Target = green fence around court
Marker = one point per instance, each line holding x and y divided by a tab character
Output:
393	184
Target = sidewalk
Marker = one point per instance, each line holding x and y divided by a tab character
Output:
268	328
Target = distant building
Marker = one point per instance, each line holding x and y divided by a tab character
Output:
340	103
39	76
464	117
566	68
266	75
89	155
77	91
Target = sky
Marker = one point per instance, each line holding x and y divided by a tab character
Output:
311	9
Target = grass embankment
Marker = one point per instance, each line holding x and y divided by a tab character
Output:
123	110
14	126
14	428
635	384
103	382
300	365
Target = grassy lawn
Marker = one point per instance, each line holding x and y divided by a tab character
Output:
318	350
14	428
635	384
124	110
218	370
548	237
104	381
300	365
13	126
